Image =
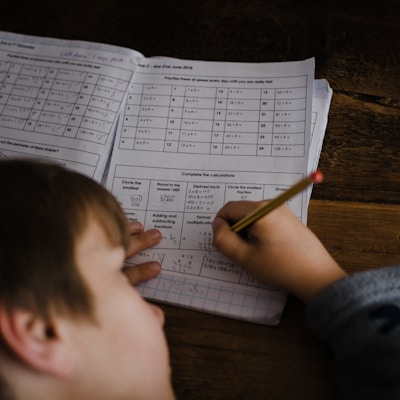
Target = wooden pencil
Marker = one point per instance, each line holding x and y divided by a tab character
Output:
315	177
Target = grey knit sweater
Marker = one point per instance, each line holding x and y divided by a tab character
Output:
358	318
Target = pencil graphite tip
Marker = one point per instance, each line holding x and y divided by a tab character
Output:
317	176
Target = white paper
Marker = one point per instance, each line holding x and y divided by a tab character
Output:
61	100
193	136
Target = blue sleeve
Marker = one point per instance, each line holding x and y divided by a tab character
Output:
358	318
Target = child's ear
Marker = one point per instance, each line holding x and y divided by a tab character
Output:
38	344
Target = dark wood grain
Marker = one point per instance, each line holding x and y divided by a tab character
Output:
355	212
359	235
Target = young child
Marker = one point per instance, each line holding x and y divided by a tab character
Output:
71	326
358	317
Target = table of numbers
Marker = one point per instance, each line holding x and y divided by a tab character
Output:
186	118
60	101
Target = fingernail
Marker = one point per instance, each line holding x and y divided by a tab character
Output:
136	225
155	233
156	267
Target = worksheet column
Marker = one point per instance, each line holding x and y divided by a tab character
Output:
197	120
242	121
174	121
146	117
290	120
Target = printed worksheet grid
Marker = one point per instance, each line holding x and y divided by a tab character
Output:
59	101
183	210
214	120
224	300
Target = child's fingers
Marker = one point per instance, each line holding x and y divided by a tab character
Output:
142	272
143	240
230	243
135	227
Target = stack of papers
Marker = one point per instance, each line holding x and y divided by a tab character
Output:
173	140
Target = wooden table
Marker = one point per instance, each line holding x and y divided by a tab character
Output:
356	212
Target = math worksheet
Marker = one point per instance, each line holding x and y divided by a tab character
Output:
60	100
173	140
192	136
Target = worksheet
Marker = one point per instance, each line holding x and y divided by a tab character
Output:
192	136
174	140
60	100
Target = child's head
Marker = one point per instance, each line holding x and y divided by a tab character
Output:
70	322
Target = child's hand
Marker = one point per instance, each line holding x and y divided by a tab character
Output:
278	249
140	241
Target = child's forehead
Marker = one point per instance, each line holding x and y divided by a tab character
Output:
95	252
113	227
93	235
